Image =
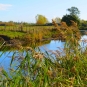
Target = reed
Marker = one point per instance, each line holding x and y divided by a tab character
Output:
36	69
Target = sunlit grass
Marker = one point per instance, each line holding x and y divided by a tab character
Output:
35	33
12	34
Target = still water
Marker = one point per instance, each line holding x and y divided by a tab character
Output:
5	58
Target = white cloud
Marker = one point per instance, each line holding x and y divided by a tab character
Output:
4	6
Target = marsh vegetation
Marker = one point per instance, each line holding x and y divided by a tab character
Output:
40	69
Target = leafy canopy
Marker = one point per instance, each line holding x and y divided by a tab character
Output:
40	19
74	12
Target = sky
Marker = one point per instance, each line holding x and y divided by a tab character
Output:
26	10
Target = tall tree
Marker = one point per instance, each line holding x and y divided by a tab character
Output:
67	18
40	19
74	16
74	11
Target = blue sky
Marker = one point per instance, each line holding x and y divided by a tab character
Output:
26	10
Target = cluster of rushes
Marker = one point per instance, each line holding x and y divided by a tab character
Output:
37	69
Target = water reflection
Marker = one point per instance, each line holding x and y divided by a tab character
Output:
6	57
53	45
4	60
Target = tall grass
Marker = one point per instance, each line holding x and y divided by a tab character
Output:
37	69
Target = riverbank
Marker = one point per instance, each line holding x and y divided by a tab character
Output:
37	34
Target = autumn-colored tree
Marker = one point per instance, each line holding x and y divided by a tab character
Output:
40	19
10	23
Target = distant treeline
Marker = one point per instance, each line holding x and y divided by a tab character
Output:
11	23
46	24
83	24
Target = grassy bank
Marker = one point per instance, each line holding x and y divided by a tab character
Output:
35	32
12	34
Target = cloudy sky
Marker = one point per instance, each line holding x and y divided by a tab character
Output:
26	10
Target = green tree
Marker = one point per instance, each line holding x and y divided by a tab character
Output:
40	19
73	11
67	18
72	16
83	25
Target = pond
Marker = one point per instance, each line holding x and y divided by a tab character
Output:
5	58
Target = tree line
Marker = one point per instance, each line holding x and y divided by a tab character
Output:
68	18
42	20
73	15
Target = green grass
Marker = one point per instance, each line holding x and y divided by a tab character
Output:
12	34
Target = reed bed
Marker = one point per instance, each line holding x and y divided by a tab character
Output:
37	69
